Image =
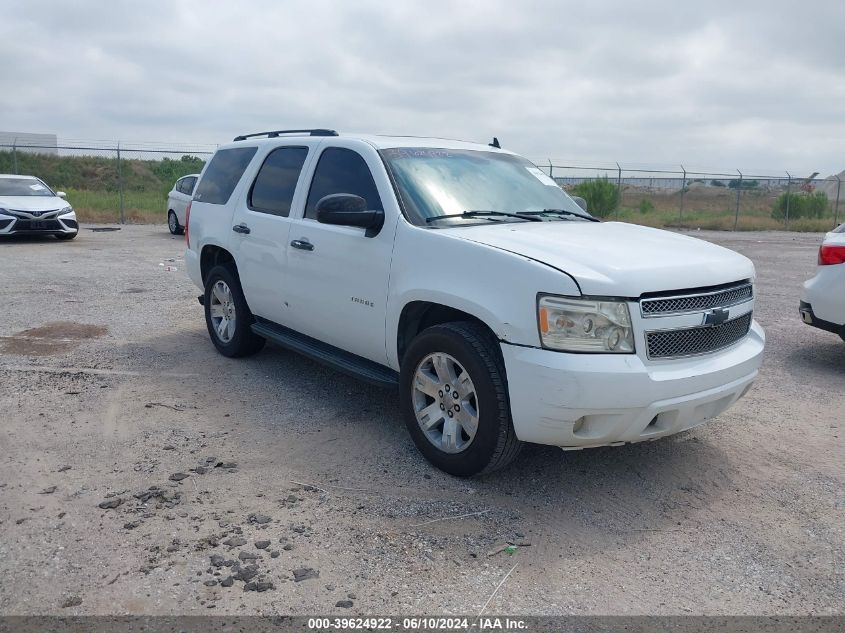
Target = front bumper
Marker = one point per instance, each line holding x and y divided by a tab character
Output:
18	225
584	400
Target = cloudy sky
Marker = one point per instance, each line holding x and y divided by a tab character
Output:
707	84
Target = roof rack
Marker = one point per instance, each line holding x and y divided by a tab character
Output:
276	133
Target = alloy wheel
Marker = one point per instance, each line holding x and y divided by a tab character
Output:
445	402
222	311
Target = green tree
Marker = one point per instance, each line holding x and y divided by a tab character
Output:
602	196
801	205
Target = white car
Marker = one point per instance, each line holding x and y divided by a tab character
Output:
463	275
177	202
29	207
823	301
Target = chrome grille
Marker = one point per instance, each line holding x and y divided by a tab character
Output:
696	340
660	306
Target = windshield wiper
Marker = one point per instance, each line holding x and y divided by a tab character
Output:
483	214
559	212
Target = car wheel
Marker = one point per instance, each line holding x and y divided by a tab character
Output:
227	315
454	399
173	223
66	236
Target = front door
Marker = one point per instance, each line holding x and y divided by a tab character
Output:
338	276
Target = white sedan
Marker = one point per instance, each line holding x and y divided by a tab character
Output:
28	206
823	302
177	201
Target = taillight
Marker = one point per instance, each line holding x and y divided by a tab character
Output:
830	254
188	224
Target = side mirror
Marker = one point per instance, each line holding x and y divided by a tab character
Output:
580	202
61	194
346	209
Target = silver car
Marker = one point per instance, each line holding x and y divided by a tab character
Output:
28	206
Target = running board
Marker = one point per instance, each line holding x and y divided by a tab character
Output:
350	364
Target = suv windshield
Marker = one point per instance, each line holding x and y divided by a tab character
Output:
23	187
436	182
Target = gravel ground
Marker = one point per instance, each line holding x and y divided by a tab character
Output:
141	472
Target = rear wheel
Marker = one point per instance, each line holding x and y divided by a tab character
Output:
454	399
227	315
173	223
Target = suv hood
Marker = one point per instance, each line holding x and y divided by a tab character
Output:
33	203
614	258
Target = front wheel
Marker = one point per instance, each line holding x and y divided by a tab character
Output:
227	315
455	401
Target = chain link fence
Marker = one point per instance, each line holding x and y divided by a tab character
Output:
108	181
705	199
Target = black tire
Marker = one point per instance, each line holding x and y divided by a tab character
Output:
66	236
243	341
173	224
495	444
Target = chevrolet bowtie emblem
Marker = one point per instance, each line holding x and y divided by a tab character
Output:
716	316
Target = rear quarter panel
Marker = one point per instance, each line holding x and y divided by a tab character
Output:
211	224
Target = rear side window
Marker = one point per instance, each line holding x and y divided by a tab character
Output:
189	184
181	185
839	229
272	191
223	173
342	171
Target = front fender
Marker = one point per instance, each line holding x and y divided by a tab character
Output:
496	286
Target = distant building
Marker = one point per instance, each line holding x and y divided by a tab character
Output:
28	142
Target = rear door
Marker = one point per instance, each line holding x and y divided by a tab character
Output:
338	278
261	224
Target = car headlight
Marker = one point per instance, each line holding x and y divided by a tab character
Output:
585	325
66	210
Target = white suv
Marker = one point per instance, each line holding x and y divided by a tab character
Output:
465	276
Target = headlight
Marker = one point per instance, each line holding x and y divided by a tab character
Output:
585	325
66	210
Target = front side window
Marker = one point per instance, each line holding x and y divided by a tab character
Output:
434	182
24	187
190	182
223	173
342	170
274	186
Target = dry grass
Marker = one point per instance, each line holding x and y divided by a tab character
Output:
710	209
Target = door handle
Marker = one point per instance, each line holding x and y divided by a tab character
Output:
241	228
303	245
